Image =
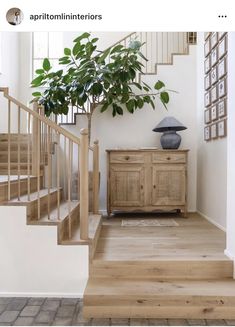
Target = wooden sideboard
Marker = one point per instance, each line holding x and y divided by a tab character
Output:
146	180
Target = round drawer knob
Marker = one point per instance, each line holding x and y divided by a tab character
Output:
127	157
168	158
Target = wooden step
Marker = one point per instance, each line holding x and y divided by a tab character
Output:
95	223
62	223
141	298
14	137
14	146
14	168
44	196
163	269
14	186
53	219
23	156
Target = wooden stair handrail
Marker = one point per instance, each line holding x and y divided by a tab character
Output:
43	119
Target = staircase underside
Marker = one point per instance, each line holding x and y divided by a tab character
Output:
161	272
52	212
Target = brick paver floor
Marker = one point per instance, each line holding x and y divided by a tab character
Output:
68	312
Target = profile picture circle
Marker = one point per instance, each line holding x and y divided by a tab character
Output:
14	16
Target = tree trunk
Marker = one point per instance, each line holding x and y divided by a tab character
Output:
89	116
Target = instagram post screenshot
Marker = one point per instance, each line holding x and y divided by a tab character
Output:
117	163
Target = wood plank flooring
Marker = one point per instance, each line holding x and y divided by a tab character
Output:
194	238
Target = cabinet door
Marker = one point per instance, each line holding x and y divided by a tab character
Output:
168	184
126	185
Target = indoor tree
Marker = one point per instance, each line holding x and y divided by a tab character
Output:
89	78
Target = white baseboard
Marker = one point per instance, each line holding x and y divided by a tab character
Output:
212	221
103	212
39	294
229	254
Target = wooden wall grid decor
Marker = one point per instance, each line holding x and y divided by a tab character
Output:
215	85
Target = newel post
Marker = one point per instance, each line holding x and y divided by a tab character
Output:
84	192
96	177
35	141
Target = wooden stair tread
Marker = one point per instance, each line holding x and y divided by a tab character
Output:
158	257
64	212
13	178
15	152
15	164
33	196
146	298
94	222
151	287
4	136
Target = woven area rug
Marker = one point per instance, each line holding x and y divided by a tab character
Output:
157	222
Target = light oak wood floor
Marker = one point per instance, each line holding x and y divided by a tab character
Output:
194	239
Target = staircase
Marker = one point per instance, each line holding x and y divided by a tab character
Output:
158	47
38	169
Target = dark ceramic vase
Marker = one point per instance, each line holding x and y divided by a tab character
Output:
170	140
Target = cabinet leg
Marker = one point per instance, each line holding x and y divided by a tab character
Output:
185	213
108	213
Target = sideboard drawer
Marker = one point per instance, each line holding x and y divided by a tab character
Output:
168	157
126	157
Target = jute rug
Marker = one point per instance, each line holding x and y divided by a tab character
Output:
157	222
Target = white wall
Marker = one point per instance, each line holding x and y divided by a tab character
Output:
9	73
230	249
33	264
136	130
211	157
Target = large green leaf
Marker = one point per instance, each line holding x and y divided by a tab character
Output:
164	97
37	81
130	105
39	71
46	64
137	85
83	36
36	94
152	103
124	76
117	48
140	103
67	51
159	85
103	56
94	40
104	107
76	48
97	89
125	98
114	112
119	110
